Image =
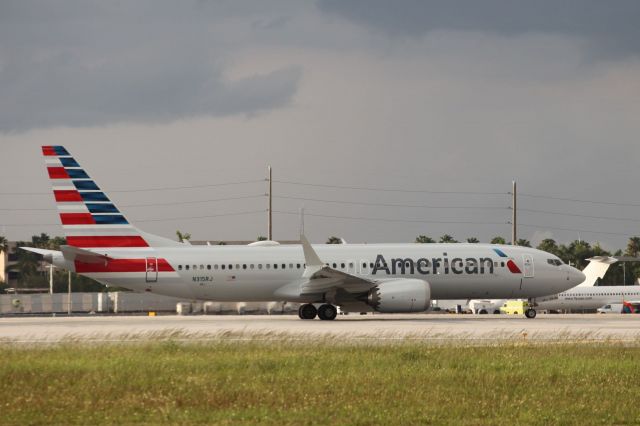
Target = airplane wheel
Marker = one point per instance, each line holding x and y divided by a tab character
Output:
482	312
327	312
530	313
307	311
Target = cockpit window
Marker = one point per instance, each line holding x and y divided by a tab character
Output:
555	262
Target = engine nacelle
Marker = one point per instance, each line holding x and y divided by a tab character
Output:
398	296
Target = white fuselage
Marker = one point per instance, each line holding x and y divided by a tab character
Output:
245	273
589	297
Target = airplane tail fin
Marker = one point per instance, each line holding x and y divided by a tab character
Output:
89	218
596	269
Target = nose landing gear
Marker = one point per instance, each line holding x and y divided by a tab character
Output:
325	312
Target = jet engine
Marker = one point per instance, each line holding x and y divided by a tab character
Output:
400	296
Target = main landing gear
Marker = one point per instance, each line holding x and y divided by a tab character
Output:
324	312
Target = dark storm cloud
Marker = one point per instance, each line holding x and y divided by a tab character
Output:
71	63
610	28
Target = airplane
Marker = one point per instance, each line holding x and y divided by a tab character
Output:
589	296
390	278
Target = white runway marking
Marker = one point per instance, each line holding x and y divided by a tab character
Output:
353	327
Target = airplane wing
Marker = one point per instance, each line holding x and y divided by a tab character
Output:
319	278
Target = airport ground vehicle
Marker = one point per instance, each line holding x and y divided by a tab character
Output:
613	308
389	278
518	307
485	306
620	308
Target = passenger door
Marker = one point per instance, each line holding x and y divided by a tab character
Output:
152	270
528	268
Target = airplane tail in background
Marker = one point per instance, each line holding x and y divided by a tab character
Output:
596	269
89	218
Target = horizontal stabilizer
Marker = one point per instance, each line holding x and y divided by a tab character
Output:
81	255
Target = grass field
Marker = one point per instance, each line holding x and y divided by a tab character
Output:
290	382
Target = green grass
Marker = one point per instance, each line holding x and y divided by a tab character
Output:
289	382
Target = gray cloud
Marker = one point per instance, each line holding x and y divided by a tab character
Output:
609	28
85	64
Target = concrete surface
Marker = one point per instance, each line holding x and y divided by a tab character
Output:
438	328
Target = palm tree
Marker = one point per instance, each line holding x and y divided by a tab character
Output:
334	240
473	240
549	245
261	238
183	237
423	239
4	244
633	247
498	240
446	238
523	243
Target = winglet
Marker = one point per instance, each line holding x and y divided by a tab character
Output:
311	258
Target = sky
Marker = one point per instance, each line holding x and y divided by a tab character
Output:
383	120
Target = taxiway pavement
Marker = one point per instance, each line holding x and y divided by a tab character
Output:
478	328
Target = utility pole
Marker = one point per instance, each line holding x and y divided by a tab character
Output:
69	295
269	211
513	214
51	278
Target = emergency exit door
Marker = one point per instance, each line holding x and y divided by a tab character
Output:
152	269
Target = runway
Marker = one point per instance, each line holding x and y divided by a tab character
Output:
437	328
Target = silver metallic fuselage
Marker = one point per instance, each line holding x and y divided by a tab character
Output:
245	276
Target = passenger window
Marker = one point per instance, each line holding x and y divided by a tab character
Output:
237	266
244	266
335	266
268	265
371	265
230	266
342	265
215	267
298	265
201	266
502	264
284	266
186	267
259	265
251	266
275	266
195	267
179	267
291	266
209	267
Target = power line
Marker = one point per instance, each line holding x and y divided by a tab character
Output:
363	203
627	219
161	188
575	200
170	203
587	231
379	219
364	188
148	220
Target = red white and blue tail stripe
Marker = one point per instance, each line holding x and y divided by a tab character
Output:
88	216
